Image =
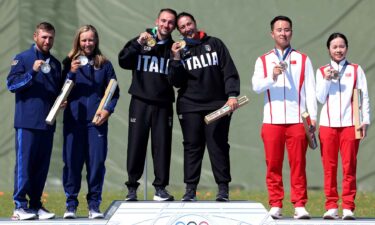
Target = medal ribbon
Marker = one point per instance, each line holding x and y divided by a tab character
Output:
191	41
155	36
285	55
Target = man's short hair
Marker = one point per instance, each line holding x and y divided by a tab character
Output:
45	26
284	18
172	11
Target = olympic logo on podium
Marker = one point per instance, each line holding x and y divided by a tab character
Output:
191	219
192	223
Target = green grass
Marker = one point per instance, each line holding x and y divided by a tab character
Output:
55	201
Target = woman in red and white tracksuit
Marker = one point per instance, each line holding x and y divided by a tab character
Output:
334	89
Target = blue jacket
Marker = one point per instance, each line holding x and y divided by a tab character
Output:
35	91
89	87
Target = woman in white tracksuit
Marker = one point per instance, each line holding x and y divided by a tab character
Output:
334	89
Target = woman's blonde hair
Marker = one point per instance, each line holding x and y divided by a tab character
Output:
98	57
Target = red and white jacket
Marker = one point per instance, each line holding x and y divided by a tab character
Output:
336	95
291	94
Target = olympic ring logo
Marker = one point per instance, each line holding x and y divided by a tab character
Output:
192	223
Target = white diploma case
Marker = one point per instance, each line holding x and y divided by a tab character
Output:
68	85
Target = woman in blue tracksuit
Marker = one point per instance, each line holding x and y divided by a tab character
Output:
84	141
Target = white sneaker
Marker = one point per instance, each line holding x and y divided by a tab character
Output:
347	214
94	214
276	213
44	214
301	213
70	213
23	214
331	214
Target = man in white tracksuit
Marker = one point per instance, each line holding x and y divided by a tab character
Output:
286	78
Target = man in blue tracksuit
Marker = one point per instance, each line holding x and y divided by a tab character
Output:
35	78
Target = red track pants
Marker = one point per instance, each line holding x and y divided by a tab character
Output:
333	140
275	138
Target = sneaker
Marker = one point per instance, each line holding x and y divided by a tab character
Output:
132	194
331	214
161	194
301	213
222	195
190	195
44	214
70	212
347	214
23	214
276	213
94	213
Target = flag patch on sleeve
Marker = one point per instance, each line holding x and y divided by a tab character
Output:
14	62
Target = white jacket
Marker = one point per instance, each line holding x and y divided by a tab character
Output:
291	94
336	95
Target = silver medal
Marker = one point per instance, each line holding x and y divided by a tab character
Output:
45	68
83	60
283	65
335	74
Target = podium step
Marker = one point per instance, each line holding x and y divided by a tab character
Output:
187	213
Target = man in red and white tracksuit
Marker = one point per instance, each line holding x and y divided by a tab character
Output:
336	130
286	78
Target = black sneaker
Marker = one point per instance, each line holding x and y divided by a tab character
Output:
161	194
190	195
223	194
132	195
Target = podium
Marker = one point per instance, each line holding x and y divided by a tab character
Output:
187	213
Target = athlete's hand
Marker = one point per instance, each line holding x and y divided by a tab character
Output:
37	64
232	103
63	104
277	70
103	116
143	37
330	73
176	47
312	128
363	128
75	65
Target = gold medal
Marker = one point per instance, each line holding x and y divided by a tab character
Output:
151	42
182	43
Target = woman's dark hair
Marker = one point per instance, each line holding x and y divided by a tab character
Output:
182	14
337	35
